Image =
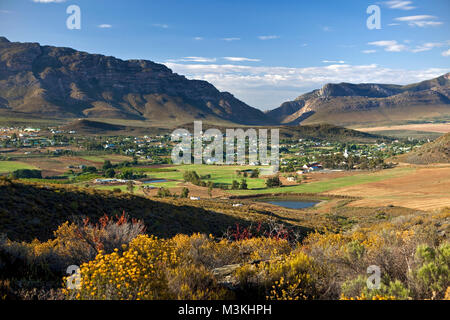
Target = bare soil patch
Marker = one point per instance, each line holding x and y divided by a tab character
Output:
425	188
427	127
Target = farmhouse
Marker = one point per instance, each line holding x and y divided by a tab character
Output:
315	166
110	181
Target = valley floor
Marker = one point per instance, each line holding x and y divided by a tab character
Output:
423	187
425	127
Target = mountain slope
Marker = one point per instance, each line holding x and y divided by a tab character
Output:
437	151
368	104
62	82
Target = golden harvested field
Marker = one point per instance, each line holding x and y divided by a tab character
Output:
52	166
424	188
427	127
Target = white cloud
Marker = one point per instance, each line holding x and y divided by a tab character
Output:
397	4
326	29
268	37
446	53
231	39
333	61
415	18
105	26
394	46
369	51
5	11
389	45
427	46
425	23
239	59
420	21
268	87
193	59
198	38
161	25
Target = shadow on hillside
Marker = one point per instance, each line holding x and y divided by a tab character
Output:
30	211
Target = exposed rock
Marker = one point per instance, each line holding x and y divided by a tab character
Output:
62	82
348	104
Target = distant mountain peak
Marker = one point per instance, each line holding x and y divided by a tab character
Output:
52	81
350	104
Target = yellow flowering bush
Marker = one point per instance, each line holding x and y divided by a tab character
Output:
205	250
137	273
292	277
189	282
148	268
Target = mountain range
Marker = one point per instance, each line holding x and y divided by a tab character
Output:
55	82
368	103
59	82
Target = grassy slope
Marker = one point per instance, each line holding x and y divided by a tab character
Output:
437	151
328	185
219	174
10	166
225	174
35	210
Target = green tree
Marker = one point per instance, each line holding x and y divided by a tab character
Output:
130	186
210	188
163	192
255	173
110	173
90	169
273	182
26	173
184	193
107	165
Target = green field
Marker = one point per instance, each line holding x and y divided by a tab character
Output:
219	174
331	184
101	158
226	174
10	166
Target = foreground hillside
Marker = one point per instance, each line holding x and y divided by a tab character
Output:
437	151
369	104
121	259
48	81
31	211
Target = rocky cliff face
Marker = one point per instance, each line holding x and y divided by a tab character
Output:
63	82
349	104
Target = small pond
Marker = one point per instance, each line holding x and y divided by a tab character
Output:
155	181
292	204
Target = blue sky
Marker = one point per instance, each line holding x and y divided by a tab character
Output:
264	52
